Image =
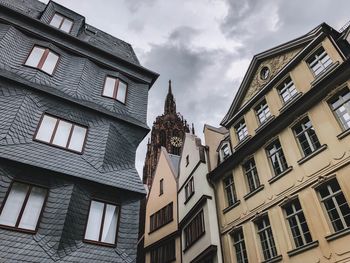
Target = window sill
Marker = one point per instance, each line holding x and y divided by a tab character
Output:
302	249
99	243
277	177
252	193
273	260
188	198
16	229
343	134
338	234
243	142
289	103
231	206
314	153
265	123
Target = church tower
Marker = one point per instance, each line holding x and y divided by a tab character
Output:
168	131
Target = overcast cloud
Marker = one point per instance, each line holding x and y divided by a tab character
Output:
204	46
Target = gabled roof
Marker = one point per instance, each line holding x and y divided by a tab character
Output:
298	43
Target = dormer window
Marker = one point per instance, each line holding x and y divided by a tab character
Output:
225	151
241	130
43	59
319	61
61	22
287	90
115	88
262	112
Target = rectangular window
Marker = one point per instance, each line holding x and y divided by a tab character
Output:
161	186
335	204
225	151
194	230
230	190
287	90
61	133
319	61
164	253
266	237
251	174
306	136
297	223
187	160
43	59
262	112
102	223
239	245
61	22
340	105
241	130
23	206
276	157
161	217
189	189
115	88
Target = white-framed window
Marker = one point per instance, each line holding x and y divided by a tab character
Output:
102	223
340	105
306	136
61	22
297	223
319	61
251	174
276	156
23	206
189	189
115	88
335	204
287	90
61	133
241	130
230	190
239	245
262	111
225	151
265	234
43	59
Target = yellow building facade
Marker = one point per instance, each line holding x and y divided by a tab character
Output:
283	186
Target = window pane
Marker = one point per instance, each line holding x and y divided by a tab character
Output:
94	221
33	208
35	56
67	25
62	133
56	20
50	63
110	224
121	96
13	205
77	139
109	87
46	128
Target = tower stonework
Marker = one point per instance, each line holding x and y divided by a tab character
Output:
168	131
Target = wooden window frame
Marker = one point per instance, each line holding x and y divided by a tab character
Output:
157	219
42	59
64	18
54	133
189	189
188	231
94	242
116	87
165	245
16	228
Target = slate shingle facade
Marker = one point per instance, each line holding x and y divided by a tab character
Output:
105	170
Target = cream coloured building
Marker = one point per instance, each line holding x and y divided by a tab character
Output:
161	238
283	185
196	204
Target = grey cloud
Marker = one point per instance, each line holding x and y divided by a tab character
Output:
135	5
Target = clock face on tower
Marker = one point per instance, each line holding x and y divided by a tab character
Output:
176	141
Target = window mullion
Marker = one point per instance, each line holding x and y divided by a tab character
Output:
336	205
70	135
116	85
54	130
302	234
43	58
62	20
102	222
23	206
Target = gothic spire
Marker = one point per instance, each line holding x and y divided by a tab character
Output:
170	105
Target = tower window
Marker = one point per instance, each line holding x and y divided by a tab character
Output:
23	206
102	223
61	22
43	59
115	88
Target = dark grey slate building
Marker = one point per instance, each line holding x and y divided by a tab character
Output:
73	105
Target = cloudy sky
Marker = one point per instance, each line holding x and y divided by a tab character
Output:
204	46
